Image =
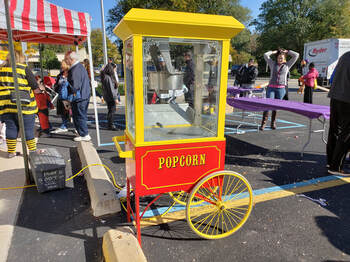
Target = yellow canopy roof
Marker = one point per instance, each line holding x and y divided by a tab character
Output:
176	24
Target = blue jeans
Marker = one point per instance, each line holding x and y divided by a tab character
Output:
12	126
65	121
276	93
79	110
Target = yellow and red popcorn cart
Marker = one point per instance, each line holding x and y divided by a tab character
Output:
176	79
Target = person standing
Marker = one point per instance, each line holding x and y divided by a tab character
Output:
309	80
110	93
278	79
339	128
247	74
43	102
189	79
79	83
8	107
64	99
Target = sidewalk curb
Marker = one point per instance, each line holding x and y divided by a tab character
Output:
103	198
12	174
121	245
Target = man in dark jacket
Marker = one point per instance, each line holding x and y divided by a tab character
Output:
189	78
339	129
110	92
247	74
79	83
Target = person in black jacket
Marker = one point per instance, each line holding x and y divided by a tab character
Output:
338	143
79	84
189	78
110	92
247	74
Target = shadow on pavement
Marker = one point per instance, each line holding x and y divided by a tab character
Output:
288	167
59	225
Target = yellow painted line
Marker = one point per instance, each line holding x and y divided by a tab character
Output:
181	215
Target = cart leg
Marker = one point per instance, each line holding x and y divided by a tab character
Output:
128	200
137	209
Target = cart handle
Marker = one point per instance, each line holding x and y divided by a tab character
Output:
121	152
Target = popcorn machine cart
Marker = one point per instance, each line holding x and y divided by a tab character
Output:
176	79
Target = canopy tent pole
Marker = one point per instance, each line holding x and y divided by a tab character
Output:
18	101
93	85
104	41
41	48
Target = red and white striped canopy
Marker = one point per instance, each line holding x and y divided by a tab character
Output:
39	21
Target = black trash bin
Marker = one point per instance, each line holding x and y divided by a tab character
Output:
48	170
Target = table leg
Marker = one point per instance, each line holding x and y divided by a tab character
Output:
323	121
309	138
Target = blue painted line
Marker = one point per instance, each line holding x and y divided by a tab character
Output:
111	144
257	192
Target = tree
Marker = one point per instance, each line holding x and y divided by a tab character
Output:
50	60
290	23
219	7
97	48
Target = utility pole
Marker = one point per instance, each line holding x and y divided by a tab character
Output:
103	34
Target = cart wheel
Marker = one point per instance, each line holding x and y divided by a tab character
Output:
181	198
227	202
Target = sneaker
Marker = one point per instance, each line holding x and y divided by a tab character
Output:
82	138
339	173
12	155
59	130
113	128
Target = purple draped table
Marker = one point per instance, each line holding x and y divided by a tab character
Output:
265	104
236	90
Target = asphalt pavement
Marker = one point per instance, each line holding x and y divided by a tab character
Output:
58	226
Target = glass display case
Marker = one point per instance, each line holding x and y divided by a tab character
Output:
181	82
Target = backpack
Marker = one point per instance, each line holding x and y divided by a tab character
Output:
64	92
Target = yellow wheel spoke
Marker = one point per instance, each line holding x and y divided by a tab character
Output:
233	214
216	225
237	194
208	225
228	219
210	195
237	211
203	219
229	215
228	185
236	189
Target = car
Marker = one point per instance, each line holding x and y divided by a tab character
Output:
37	72
235	69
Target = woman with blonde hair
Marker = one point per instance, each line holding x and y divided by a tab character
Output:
8	108
64	98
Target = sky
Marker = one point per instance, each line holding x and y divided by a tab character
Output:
93	7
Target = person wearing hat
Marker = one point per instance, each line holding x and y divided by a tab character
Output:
162	64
